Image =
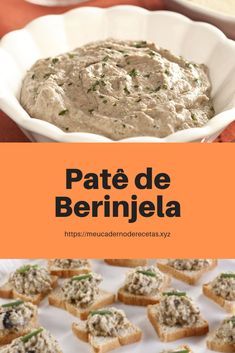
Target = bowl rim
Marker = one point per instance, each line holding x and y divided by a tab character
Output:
48	130
205	10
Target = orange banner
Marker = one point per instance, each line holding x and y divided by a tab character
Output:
117	200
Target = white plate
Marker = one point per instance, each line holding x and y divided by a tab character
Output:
59	321
55	34
199	12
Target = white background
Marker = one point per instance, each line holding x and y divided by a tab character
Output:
59	321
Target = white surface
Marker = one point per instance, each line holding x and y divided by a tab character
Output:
59	321
224	21
55	34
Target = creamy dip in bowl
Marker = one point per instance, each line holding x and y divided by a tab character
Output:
169	90
119	89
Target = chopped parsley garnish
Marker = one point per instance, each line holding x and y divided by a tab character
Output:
102	83
106	58
126	55
147	75
26	338
93	87
115	104
71	56
189	65
164	86
141	44
136	86
55	60
133	73
90	111
178	294
151	53
105	101
33	76
157	89
126	90
138	100
47	75
167	72
102	76
193	116
70	83
63	112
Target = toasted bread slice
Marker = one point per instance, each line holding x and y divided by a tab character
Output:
142	300
190	277
215	344
168	334
8	335
105	344
7	291
126	262
66	273
56	299
228	305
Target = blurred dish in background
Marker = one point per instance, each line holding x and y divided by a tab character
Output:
220	13
224	6
55	2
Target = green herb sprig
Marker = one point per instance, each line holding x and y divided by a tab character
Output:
26	338
12	304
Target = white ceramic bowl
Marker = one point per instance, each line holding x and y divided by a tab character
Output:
201	13
52	35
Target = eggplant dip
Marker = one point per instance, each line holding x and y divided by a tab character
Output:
177	309
70	263
38	341
107	322
189	264
119	89
224	286
30	280
82	290
144	280
14	316
226	332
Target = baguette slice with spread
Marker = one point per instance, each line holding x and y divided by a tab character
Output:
222	344
126	262
101	344
137	289
57	270
168	333
188	276
8	290
222	291
10	331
